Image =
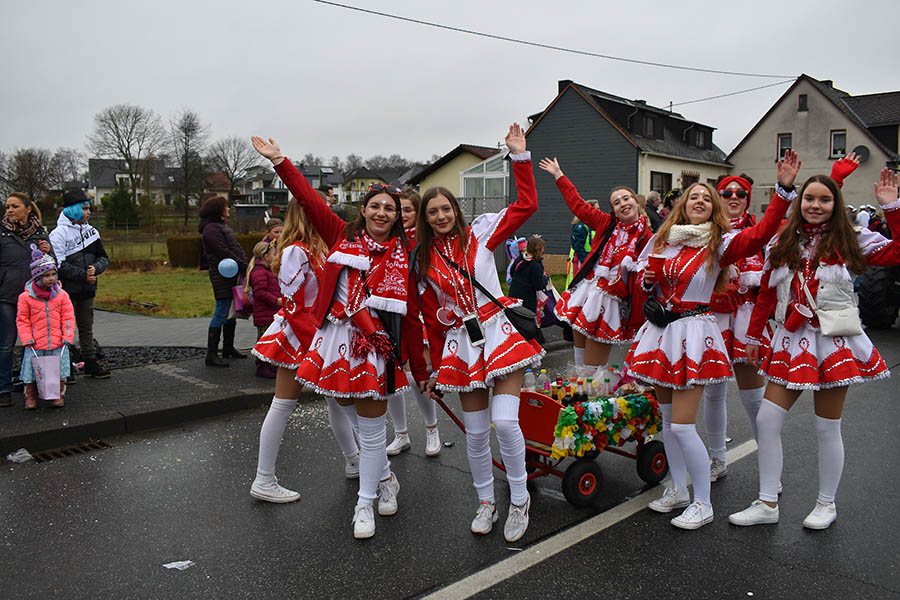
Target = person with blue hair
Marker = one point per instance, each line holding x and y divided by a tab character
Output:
82	259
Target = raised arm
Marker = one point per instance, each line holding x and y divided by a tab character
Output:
879	250
526	203
329	225
594	218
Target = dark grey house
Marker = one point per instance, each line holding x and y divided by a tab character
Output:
602	141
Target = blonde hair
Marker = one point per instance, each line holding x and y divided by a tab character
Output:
297	228
259	251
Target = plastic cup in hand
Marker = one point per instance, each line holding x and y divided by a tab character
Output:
655	263
228	268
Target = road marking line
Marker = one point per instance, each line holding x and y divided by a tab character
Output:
505	569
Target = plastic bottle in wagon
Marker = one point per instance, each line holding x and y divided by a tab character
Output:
543	381
529	381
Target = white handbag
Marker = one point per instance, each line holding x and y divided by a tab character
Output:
836	308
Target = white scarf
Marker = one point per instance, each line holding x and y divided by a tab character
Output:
68	237
695	236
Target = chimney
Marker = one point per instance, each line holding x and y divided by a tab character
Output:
828	82
562	85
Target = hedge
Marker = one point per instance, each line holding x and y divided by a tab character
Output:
184	250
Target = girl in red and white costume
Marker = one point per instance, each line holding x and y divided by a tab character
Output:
818	251
298	265
367	314
410	201
688	353
452	306
603	305
732	307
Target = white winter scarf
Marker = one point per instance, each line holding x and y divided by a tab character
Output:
68	237
695	236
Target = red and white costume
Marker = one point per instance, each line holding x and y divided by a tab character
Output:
290	334
806	359
457	364
691	350
346	356
598	306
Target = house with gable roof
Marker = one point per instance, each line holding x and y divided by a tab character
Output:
822	123
602	141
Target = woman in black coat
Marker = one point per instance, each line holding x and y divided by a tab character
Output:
218	243
19	228
528	276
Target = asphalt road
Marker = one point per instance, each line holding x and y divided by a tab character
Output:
102	525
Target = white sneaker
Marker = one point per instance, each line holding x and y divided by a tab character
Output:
400	443
821	517
717	468
485	517
695	516
351	466
432	441
363	521
517	521
387	496
758	513
671	499
272	492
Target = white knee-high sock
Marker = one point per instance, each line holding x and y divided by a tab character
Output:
505	415
396	406
831	457
751	400
579	356
715	417
350	414
677	468
695	457
478	450
769	421
427	405
373	461
341	428
270	435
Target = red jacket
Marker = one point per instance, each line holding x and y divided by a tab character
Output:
45	324
266	294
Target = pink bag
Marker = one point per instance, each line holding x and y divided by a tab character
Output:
242	306
46	375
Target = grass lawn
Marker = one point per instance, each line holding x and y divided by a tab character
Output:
176	293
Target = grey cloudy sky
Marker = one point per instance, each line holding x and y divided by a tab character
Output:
330	81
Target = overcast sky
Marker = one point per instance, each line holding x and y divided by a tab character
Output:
329	81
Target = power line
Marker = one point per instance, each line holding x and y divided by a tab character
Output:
550	46
733	93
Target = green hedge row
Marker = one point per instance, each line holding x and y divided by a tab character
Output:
184	250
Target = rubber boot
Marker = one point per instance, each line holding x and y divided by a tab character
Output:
61	401
30	396
212	348
228	350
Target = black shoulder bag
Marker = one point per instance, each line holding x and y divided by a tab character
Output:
524	320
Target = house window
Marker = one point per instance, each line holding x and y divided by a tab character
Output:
784	144
801	103
660	182
649	127
689	178
700	138
838	143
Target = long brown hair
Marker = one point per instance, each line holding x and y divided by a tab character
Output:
838	240
297	228
720	226
351	231
424	233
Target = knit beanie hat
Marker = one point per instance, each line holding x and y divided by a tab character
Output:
40	262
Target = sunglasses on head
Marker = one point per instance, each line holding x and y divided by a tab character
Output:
739	193
393	190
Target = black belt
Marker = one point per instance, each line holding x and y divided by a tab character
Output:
673	316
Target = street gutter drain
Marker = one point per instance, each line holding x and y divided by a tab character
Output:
82	448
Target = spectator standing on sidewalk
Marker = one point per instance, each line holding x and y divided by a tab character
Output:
652	209
82	259
266	294
19	228
219	243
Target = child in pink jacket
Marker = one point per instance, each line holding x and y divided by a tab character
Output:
46	323
266	296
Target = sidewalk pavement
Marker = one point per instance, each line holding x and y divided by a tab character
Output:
150	396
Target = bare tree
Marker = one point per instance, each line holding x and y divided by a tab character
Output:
188	138
66	165
312	160
129	133
30	171
353	161
335	161
5	186
232	156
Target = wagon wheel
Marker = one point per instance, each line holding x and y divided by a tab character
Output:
652	465
582	482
